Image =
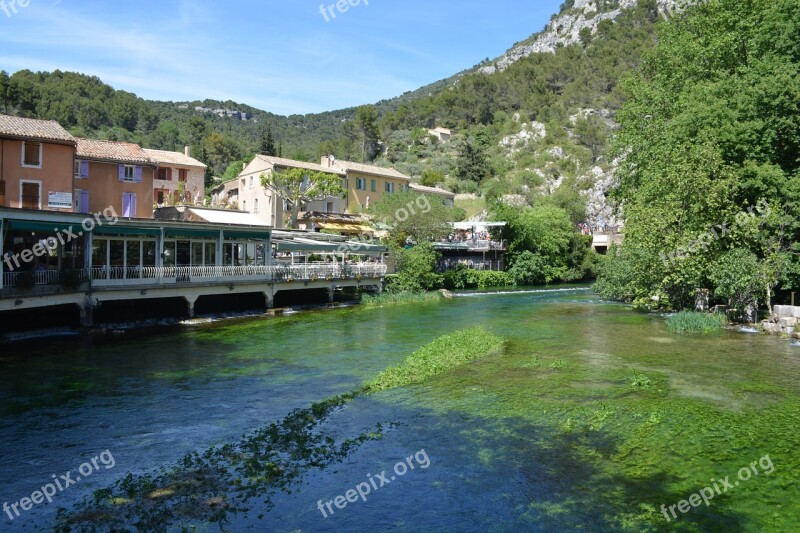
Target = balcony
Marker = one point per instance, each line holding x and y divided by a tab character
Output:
50	281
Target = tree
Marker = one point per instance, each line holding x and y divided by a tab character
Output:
711	129
299	186
420	217
431	177
232	172
267	145
7	97
543	244
367	126
471	162
220	150
416	269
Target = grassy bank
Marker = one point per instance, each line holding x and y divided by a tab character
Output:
692	322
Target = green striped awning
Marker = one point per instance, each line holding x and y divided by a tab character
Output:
45	227
192	233
127	230
254	235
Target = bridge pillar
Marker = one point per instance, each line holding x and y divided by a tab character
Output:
190	301
87	316
331	293
269	299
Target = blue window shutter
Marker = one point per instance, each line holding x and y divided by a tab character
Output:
138	174
122	173
84	169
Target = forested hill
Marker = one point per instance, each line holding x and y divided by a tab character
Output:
575	64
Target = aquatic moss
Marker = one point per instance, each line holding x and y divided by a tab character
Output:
443	354
692	322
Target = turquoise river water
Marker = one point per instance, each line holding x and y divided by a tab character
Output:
591	418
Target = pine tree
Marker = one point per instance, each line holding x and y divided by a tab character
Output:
267	146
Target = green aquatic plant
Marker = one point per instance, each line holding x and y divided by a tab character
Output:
692	322
398	298
443	354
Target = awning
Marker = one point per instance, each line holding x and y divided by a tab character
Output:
296	246
126	230
470	225
450	246
302	245
255	235
349	228
45	227
364	248
192	233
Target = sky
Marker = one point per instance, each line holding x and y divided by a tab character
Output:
286	57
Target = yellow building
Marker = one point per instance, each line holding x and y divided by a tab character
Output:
366	184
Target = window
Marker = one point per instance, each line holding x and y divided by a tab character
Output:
389	187
183	174
165	174
361	184
255	206
128	204
81	169
251	182
30	196
31	154
244	205
130	173
81	201
329	207
373	186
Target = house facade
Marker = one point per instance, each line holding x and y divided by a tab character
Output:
113	174
36	161
247	193
365	184
179	177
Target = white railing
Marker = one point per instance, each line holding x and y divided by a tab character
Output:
43	277
135	276
119	276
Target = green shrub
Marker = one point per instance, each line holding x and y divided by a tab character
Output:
692	322
486	279
443	354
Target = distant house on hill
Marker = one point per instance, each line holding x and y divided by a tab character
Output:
442	134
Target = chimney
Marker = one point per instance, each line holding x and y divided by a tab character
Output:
187	150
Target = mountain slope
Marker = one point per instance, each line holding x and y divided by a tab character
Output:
551	86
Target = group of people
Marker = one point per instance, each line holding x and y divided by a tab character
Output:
449	264
465	236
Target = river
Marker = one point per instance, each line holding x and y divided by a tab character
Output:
592	418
